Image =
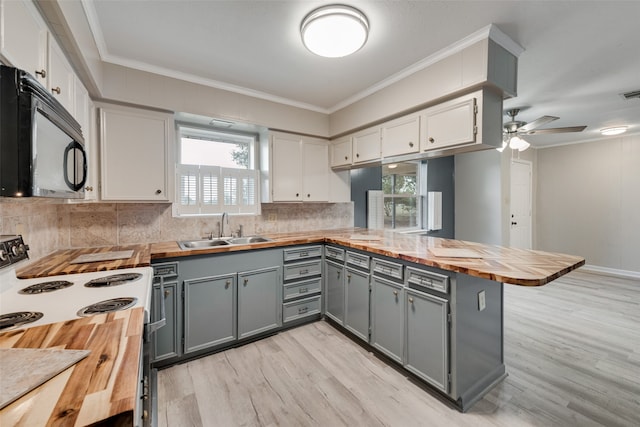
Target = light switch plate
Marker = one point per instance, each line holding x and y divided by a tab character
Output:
482	302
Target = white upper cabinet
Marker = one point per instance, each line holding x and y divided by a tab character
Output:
449	124
299	168
83	110
134	153
23	38
366	145
60	76
401	136
341	152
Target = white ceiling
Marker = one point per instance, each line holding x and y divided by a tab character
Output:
578	55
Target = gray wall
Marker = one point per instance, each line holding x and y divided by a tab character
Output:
588	201
362	180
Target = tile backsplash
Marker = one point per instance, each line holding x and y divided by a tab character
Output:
48	225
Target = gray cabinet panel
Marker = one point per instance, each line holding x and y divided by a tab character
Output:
166	339
334	289
427	338
356	313
210	313
259	301
387	318
301	308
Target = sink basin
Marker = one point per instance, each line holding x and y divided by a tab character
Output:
247	240
202	244
212	243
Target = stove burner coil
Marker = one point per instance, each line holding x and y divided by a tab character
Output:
19	318
113	280
42	287
107	306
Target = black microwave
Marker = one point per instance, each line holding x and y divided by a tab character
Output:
42	151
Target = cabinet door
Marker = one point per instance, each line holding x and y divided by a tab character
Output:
387	318
84	113
366	145
448	124
334	287
209	312
23	38
259	301
315	172
356	313
427	338
133	153
341	152
286	166
165	341
401	136
60	76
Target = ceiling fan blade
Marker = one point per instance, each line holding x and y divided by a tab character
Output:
537	123
555	130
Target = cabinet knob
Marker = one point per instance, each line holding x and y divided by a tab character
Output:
395	293
56	90
431	140
158	191
349	276
41	73
410	144
357	155
308	195
227	283
246	281
410	300
346	158
297	194
166	293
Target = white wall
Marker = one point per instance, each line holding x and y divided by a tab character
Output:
588	201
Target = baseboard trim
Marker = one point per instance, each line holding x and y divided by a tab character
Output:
611	271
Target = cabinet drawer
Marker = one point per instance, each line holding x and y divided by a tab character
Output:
387	268
435	281
358	260
301	270
167	269
302	253
300	308
298	289
334	253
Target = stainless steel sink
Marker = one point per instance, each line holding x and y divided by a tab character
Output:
248	240
212	243
202	244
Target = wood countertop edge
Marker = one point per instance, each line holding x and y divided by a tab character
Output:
166	250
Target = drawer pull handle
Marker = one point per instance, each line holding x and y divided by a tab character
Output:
303	290
305	271
304	254
303	310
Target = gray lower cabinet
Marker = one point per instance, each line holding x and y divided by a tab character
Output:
356	313
209	312
334	291
259	301
427	338
387	317
166	340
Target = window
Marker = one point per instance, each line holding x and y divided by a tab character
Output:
216	172
402	201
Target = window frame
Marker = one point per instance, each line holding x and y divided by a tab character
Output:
417	195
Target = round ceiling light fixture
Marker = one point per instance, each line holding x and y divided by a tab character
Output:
334	31
613	131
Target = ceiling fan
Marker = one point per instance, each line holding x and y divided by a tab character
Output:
513	129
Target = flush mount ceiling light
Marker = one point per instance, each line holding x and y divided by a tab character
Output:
613	131
334	31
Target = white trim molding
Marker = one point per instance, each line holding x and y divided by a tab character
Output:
611	271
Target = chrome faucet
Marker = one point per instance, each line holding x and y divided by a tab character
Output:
225	217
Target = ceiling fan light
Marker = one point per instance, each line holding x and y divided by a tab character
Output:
334	31
613	130
524	145
516	142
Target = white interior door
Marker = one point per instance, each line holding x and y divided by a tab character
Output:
520	236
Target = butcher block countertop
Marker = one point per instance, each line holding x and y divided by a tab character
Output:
501	264
61	262
100	388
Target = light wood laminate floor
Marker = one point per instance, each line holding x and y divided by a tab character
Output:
572	351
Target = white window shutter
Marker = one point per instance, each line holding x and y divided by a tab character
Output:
188	189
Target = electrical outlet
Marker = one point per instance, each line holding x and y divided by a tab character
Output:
272	217
482	302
